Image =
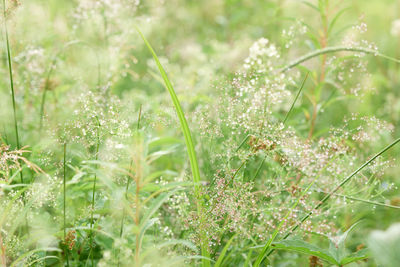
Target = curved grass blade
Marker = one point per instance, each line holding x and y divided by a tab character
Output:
31	252
181	116
43	258
335	49
189	145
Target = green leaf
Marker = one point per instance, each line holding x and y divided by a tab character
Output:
223	252
300	246
248	259
144	228
158	154
337	246
311	5
174	242
31	252
356	256
158	141
181	115
156	204
189	145
153	187
157	174
343	237
335	19
42	259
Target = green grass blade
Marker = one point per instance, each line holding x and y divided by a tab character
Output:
181	116
302	247
189	144
336	49
295	99
42	259
223	252
32	252
155	206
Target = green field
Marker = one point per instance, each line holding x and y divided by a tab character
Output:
200	133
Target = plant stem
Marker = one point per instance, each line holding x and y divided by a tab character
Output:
137	198
139	117
137	220
335	49
50	72
64	201
295	99
46	88
123	211
361	200
3	252
128	181
258	169
126	198
138	175
93	193
313	118
10	72
323	43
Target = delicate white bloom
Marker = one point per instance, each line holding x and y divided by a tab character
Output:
395	30
260	55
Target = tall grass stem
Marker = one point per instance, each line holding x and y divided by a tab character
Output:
64	201
94	192
10	72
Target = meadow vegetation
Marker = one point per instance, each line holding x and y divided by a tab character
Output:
200	133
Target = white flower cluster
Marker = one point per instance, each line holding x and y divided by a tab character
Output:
262	55
111	9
